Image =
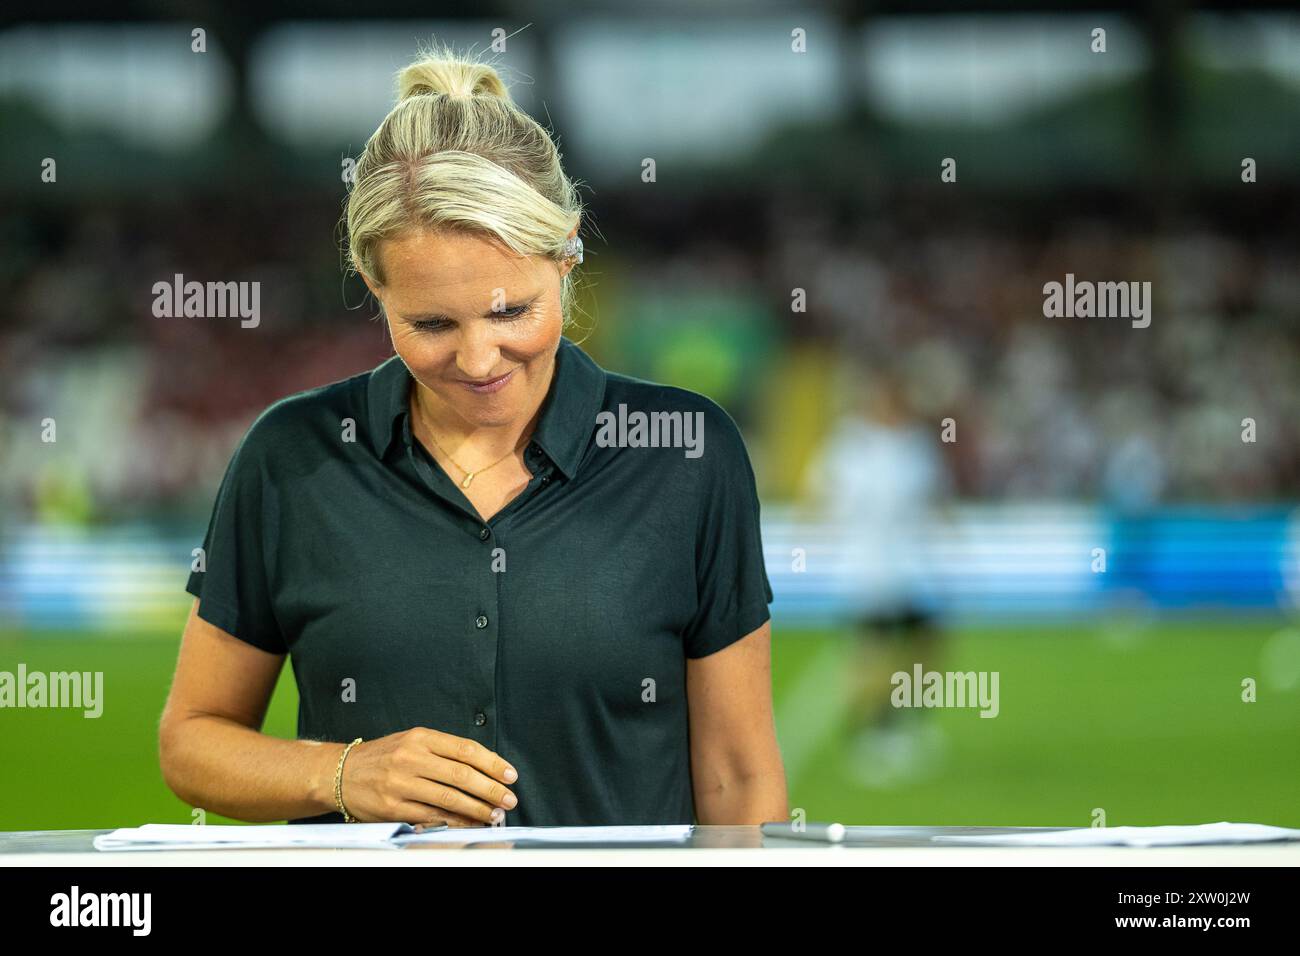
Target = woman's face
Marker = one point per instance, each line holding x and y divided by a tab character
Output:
477	325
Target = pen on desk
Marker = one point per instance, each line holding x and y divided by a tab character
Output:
819	832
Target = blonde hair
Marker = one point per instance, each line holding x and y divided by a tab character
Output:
456	153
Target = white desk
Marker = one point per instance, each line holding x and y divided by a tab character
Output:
708	846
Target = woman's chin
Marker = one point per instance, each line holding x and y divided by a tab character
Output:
490	414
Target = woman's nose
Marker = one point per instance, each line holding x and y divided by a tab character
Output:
477	353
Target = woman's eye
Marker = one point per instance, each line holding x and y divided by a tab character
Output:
430	326
503	316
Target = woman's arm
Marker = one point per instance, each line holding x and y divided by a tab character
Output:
211	748
735	761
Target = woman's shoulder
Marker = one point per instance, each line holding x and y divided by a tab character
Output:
629	399
335	408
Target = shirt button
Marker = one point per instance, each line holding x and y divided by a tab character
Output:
481	621
545	478
483	534
480	718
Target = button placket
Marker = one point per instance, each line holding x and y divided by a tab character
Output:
484	633
485	638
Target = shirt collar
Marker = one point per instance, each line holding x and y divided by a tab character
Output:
564	430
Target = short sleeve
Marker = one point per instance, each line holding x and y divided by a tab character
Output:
731	576
233	587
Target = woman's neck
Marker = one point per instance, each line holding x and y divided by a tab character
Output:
470	444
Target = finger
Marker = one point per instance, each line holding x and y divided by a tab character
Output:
469	780
422	814
440	796
464	750
439	817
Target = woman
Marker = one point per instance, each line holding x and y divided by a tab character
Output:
503	604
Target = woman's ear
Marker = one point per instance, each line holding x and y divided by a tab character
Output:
568	265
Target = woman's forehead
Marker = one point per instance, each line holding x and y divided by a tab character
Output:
456	264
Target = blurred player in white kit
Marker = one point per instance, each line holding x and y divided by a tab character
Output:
878	482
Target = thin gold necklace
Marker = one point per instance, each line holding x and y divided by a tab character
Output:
469	475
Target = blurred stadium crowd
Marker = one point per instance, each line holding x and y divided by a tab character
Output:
1047	408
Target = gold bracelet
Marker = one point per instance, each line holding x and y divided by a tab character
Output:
338	784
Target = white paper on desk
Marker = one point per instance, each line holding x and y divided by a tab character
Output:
1221	832
182	836
661	833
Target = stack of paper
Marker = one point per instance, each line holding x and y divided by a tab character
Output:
1221	832
180	836
667	834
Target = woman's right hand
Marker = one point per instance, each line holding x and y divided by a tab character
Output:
426	776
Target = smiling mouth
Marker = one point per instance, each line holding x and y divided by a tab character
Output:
490	385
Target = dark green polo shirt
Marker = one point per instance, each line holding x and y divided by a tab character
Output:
555	634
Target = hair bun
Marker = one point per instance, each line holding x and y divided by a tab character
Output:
449	74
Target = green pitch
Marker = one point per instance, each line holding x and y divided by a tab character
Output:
1145	723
